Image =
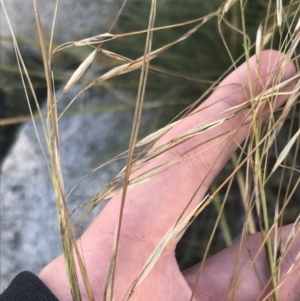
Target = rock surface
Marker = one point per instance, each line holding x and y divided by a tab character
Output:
29	225
76	19
30	235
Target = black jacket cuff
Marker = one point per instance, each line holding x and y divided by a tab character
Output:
27	287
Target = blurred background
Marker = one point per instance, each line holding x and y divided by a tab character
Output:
97	126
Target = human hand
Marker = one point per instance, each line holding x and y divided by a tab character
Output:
153	207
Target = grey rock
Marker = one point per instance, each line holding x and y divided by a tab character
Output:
29	230
30	235
76	19
29	225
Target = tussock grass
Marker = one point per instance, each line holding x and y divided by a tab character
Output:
169	52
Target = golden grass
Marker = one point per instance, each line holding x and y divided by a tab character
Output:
253	155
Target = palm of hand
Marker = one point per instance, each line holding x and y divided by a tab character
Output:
153	207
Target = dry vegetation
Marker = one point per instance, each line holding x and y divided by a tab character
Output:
187	55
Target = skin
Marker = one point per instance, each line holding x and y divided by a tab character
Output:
154	206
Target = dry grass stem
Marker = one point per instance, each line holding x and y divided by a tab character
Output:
80	71
133	140
279	12
268	158
170	236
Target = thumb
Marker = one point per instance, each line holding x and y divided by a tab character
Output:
240	272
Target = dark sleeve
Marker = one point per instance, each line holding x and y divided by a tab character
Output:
27	287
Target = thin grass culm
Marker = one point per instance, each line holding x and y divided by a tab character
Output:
221	83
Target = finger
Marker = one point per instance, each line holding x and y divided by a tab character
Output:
152	208
244	275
